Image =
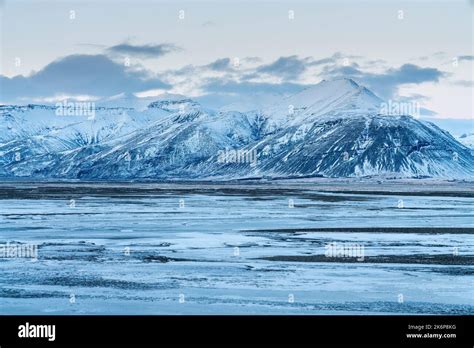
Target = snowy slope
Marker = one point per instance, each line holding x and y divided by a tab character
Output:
341	96
365	145
186	136
32	130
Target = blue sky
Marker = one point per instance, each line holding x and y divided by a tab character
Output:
402	50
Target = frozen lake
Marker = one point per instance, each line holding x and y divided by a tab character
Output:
243	248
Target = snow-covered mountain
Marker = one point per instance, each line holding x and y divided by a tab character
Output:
27	132
343	96
364	145
169	147
333	129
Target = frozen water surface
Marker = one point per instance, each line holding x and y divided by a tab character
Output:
238	248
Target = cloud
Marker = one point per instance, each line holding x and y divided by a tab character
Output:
285	67
387	83
414	97
465	58
332	59
436	55
79	74
143	51
293	67
417	98
440	54
410	73
243	95
220	65
463	83
216	85
379	63
251	60
208	24
100	75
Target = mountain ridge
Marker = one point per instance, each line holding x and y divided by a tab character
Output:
332	129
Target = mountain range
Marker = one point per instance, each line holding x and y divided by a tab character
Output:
332	129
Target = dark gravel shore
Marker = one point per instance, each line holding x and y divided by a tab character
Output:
447	259
427	230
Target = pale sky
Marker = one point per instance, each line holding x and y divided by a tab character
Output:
418	50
